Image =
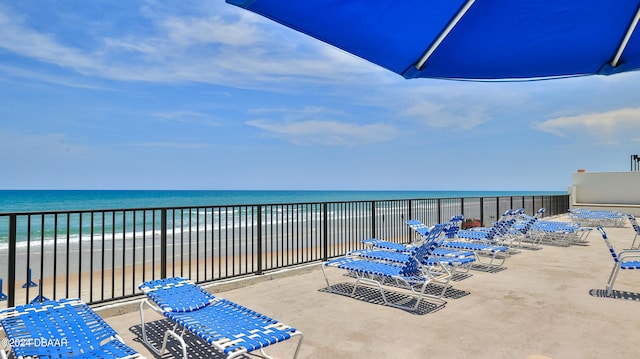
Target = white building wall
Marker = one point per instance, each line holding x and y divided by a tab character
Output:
606	190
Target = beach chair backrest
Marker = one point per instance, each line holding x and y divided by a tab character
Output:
434	232
452	228
420	253
430	243
634	222
177	294
528	224
608	243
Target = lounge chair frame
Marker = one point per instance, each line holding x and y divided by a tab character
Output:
636	229
485	254
561	234
593	218
626	259
412	275
61	329
229	327
375	274
454	260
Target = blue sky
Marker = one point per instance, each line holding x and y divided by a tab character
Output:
204	95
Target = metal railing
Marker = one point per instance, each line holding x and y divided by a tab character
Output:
635	163
102	255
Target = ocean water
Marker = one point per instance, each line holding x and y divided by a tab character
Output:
124	217
69	200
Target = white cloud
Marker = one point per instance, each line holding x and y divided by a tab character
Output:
190	31
237	49
68	81
609	126
17	37
330	133
443	115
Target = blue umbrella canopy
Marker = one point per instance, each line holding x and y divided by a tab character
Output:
472	39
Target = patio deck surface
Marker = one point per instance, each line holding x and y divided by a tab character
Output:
547	303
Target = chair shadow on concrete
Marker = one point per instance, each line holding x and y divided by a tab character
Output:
196	347
615	294
373	296
457	277
487	268
432	289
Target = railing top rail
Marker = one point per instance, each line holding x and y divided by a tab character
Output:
139	209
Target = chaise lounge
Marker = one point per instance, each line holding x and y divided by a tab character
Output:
65	328
229	327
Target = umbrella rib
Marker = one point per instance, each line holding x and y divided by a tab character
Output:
625	41
445	33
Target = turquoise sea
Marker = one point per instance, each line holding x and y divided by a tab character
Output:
69	200
125	213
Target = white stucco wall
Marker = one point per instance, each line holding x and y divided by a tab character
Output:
612	190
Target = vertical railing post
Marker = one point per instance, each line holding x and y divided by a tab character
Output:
373	219
259	232
462	206
325	230
11	292
482	211
439	216
163	243
407	229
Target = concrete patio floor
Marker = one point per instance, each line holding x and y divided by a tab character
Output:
545	304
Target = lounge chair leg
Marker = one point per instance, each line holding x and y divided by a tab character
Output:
612	279
265	355
324	273
295	354
165	338
144	331
175	336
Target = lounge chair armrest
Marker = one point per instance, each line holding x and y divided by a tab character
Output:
629	253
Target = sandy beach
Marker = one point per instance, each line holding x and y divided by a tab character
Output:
546	303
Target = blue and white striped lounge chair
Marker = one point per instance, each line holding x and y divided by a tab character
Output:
500	233
419	228
522	234
231	328
524	229
626	259
636	229
514	227
560	233
411	275
64	328
424	233
491	255
458	261
433	262
592	218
